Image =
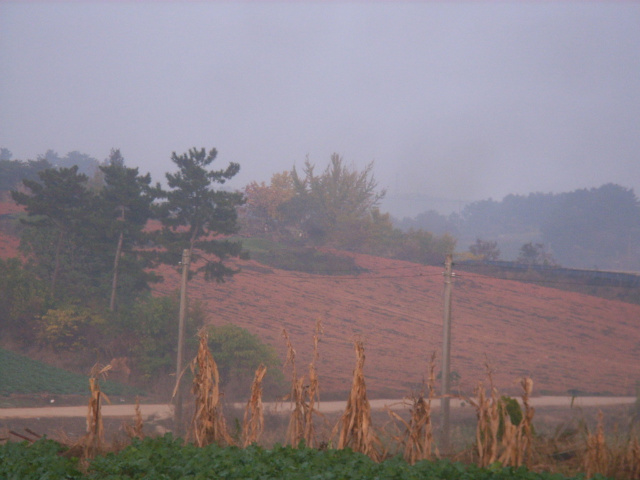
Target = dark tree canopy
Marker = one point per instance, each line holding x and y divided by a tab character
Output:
486	249
13	172
58	202
535	254
125	203
195	215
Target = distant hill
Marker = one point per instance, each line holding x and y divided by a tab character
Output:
596	228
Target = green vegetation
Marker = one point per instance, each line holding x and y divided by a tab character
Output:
238	354
22	375
168	458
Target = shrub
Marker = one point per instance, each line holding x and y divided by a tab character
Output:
69	328
238	354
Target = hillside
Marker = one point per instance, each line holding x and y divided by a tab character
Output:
565	341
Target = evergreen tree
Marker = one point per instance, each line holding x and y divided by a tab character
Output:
195	214
126	202
58	204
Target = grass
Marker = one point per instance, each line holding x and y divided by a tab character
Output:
20	375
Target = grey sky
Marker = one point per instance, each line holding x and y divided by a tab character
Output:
451	100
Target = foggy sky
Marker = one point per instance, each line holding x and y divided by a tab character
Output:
450	100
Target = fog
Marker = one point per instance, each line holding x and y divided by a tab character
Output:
454	102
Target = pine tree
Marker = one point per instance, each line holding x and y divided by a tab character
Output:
126	201
58	203
195	215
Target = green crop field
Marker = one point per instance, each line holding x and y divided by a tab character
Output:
168	458
22	375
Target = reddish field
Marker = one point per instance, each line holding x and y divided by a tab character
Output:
564	341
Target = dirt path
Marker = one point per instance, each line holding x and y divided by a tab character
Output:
160	411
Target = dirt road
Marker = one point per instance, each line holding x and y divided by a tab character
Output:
160	411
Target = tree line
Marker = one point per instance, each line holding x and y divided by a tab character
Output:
586	228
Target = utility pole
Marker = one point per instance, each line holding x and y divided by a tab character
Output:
446	350
177	418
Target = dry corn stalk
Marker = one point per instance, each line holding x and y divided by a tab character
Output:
526	426
631	461
208	425
253	424
93	440
488	424
417	437
596	459
135	431
514	446
295	430
517	440
312	392
356	430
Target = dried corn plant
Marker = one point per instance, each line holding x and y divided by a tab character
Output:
355	427
497	438
93	441
487	412
295	430
631	459
253	424
526	425
303	397
596	459
417	437
208	424
135	431
312	392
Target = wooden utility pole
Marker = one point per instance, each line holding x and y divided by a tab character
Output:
446	350
177	418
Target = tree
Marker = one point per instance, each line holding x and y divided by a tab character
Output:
535	254
126	200
58	202
597	226
5	154
327	205
261	212
12	172
22	299
485	249
195	215
425	247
